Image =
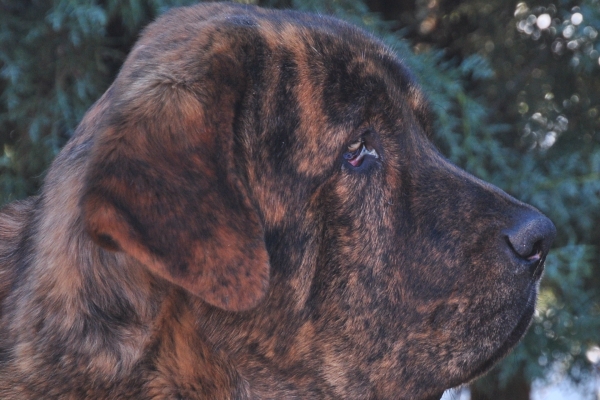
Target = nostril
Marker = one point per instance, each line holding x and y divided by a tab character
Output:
534	255
530	238
536	252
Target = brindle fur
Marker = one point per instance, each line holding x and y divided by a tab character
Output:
202	237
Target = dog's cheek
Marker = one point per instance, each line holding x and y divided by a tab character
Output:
387	289
357	292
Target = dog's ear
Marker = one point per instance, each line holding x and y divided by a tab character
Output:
163	186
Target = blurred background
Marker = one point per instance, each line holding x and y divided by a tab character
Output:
515	87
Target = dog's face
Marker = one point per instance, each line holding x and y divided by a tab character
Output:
278	167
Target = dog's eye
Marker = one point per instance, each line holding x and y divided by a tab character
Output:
357	151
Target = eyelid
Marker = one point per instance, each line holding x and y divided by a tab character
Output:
356	145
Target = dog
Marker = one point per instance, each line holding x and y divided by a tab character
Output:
253	210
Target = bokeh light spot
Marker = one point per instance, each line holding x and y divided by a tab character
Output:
543	21
576	19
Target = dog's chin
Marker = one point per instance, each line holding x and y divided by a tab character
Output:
511	340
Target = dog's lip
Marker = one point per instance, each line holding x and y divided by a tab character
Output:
534	265
539	267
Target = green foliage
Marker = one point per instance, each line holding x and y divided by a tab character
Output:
516	103
56	58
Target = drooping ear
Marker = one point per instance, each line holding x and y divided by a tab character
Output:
163	187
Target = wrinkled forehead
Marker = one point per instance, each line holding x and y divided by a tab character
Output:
350	64
341	48
350	68
358	73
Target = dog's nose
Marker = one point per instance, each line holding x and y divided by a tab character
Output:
531	237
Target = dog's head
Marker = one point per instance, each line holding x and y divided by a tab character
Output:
277	166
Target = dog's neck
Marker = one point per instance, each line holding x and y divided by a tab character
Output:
115	320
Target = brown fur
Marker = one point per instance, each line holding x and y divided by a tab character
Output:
202	235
